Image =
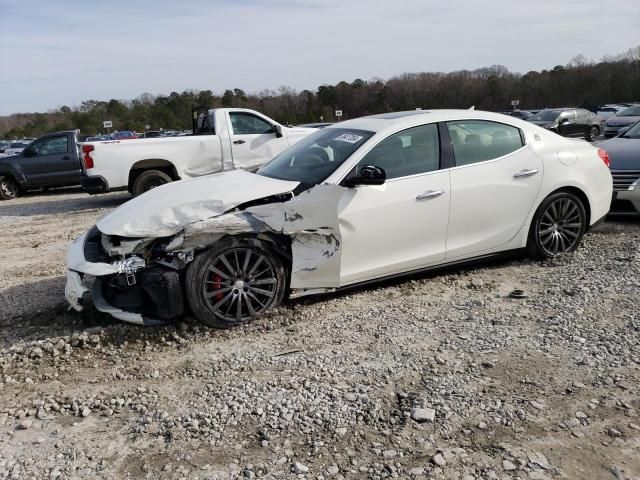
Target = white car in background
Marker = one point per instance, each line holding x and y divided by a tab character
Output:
355	202
14	148
608	111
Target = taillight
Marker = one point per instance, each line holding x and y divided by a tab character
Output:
604	156
86	157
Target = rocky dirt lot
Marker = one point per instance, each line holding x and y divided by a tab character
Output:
436	376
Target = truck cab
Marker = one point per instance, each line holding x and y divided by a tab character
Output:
52	160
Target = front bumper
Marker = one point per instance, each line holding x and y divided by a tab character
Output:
626	202
610	131
154	295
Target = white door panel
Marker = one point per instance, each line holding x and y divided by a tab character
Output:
387	229
490	201
251	151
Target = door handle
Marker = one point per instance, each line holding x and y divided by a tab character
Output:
66	157
525	173
430	194
239	142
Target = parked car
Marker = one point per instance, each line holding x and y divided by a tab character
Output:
568	122
14	148
124	135
352	203
625	118
52	160
152	134
624	155
226	139
608	111
523	114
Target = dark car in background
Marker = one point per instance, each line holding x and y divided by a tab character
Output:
624	158
569	122
522	114
624	118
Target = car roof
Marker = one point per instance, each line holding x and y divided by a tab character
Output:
397	120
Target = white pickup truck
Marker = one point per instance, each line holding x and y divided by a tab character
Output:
224	139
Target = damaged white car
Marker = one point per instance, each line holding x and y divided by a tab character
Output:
355	202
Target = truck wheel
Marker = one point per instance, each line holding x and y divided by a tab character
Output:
149	179
234	281
9	188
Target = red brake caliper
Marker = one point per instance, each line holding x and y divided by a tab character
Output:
216	285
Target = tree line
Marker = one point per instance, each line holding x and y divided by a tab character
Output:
580	83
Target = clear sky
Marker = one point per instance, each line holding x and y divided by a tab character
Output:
61	52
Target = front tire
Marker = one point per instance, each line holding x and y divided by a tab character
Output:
9	188
593	134
558	226
148	180
233	282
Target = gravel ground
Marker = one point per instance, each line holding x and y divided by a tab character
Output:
434	376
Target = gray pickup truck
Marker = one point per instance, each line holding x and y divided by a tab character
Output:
53	160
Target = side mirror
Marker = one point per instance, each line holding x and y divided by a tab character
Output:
278	130
368	175
563	120
29	152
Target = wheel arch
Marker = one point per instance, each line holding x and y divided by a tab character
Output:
160	164
578	193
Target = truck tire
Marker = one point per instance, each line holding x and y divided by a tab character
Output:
149	179
9	188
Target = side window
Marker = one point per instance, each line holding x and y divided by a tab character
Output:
410	152
51	145
247	124
479	140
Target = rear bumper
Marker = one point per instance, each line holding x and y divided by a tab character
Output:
94	184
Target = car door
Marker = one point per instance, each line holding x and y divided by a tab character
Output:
567	125
253	140
400	225
49	161
494	185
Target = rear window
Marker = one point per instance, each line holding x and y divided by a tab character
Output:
480	140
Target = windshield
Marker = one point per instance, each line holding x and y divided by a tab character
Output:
545	115
633	132
314	158
630	112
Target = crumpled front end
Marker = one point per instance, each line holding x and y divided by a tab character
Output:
130	279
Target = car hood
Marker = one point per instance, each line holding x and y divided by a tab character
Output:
166	210
624	153
621	121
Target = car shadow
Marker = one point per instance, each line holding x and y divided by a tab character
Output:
53	206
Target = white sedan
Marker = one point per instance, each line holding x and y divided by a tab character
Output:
358	201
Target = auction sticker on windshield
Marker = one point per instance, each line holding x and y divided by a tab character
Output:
349	138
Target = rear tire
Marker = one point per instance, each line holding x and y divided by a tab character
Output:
593	134
148	180
233	282
558	226
9	188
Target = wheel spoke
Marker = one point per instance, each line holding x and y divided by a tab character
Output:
239	308
252	312
561	242
547	214
226	263
217	292
247	258
251	295
256	265
260	290
219	272
569	232
264	281
221	302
